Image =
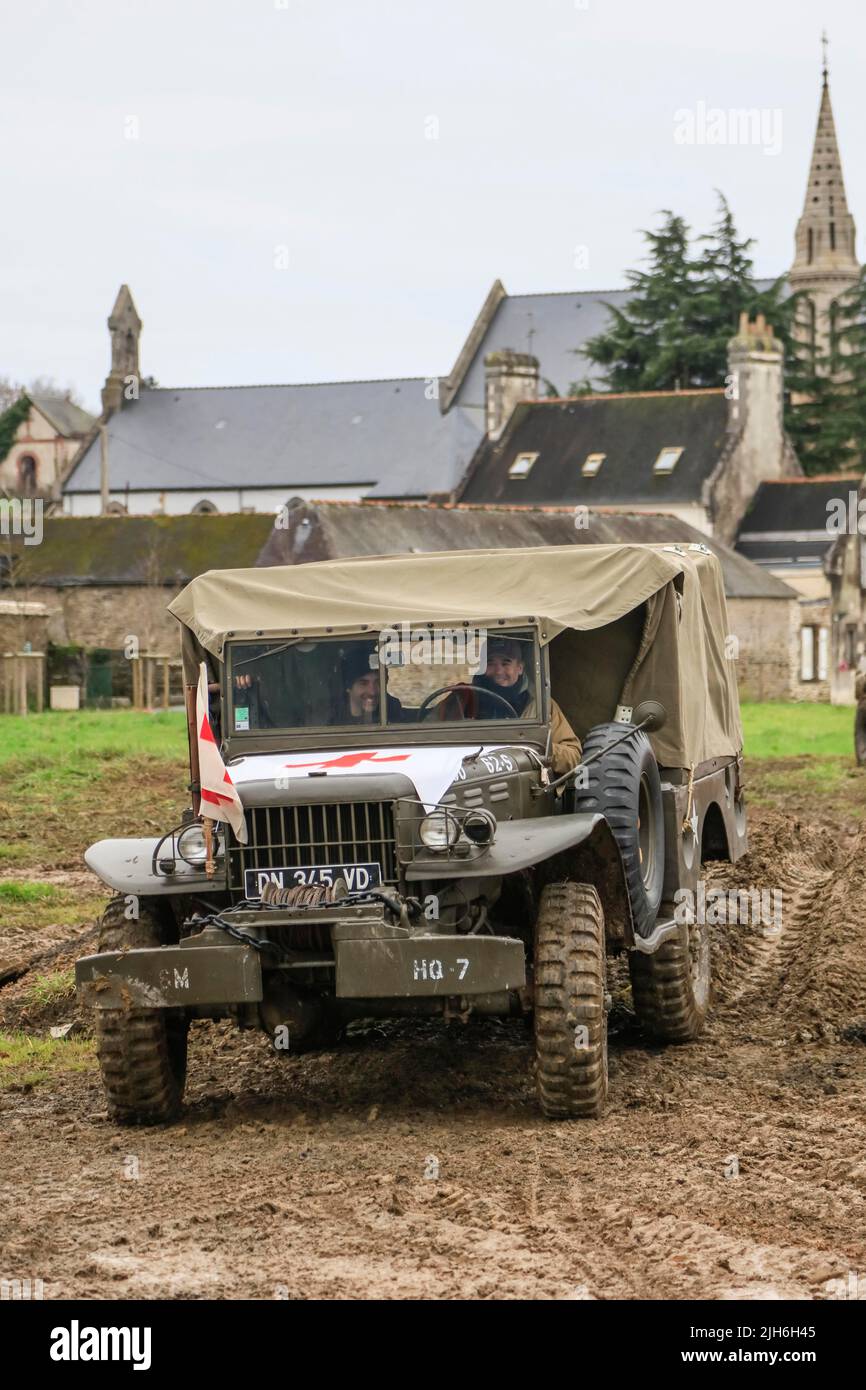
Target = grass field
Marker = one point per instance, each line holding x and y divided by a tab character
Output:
796	730
72	778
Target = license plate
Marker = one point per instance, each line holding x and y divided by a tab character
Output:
357	877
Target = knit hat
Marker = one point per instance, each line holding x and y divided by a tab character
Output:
356	663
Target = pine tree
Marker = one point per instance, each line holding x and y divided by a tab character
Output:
648	347
675	328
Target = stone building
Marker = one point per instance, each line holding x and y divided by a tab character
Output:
44	445
102	579
699	455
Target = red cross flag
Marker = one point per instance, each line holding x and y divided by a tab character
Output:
219	798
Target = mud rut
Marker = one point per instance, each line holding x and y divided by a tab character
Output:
412	1162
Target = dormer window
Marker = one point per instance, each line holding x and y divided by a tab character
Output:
522	466
591	464
667	461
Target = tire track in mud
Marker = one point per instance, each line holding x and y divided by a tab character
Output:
779	942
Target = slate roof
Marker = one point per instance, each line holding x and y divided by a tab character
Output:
328	530
109	550
554	328
786	523
385	436
67	418
630	430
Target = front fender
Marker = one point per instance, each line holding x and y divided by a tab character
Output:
518	844
127	867
582	843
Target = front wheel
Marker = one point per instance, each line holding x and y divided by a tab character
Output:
570	1002
141	1052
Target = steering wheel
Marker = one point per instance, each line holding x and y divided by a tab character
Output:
463	685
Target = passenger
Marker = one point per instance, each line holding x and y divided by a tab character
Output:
361	689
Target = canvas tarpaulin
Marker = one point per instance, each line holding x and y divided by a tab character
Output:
579	590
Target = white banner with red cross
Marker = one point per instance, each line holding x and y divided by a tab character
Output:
219	797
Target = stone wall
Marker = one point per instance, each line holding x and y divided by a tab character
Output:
768	634
105	617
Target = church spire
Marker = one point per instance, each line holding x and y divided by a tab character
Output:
825	259
825	232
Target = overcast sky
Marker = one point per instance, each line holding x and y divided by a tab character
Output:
298	190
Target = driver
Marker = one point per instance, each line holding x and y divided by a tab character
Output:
505	676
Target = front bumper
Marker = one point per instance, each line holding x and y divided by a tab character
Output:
371	961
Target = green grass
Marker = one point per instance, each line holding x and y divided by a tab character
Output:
20	892
47	989
44	905
71	742
26	1061
795	730
73	777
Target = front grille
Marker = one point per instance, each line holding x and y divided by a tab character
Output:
354	833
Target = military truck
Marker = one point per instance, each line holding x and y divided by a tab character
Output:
403	843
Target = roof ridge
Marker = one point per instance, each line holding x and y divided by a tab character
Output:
627	395
814	478
550	294
294	385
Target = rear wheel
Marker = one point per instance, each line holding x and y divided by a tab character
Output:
142	1052
570	1002
671	988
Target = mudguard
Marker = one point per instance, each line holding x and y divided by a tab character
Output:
127	867
518	844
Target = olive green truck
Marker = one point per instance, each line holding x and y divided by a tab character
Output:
379	824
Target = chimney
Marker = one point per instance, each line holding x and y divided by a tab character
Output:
757	450
123	381
754	382
509	377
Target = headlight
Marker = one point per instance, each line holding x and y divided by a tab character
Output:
192	848
439	830
479	827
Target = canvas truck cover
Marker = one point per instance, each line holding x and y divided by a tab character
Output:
678	653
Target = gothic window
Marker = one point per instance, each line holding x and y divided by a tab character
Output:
27	474
834	313
832	236
811	245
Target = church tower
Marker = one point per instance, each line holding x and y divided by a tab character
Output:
825	261
124	326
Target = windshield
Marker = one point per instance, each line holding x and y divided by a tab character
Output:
405	676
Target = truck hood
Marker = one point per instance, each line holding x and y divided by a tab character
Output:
430	770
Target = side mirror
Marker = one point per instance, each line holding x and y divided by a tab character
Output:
651	714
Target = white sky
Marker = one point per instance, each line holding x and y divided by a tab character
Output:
303	124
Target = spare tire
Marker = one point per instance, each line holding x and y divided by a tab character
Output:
624	786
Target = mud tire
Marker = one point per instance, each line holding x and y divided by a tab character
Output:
141	1052
570	995
671	988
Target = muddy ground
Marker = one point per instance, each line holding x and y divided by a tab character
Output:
412	1162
